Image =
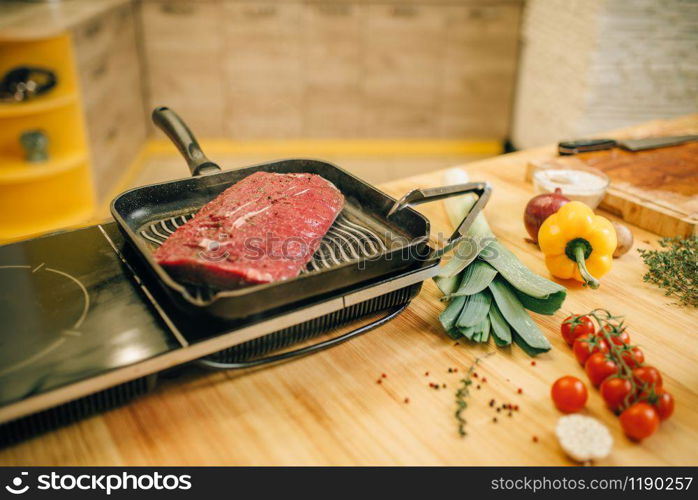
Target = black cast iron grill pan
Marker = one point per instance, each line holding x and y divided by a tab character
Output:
373	237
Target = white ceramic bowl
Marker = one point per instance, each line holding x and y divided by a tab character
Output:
581	183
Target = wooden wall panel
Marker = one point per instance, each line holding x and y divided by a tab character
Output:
334	68
402	67
263	71
111	84
480	54
183	46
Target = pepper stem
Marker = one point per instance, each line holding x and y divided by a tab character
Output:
580	258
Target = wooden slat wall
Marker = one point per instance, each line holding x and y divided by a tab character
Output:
112	90
342	68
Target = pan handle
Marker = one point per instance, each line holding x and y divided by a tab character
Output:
178	132
419	196
320	346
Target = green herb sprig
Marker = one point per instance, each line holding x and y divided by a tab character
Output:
463	393
675	269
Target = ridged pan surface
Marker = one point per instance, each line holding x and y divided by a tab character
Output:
361	245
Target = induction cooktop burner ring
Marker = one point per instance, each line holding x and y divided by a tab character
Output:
65	333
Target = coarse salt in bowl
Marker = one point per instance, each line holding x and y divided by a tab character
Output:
577	182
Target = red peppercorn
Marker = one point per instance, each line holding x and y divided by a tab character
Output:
426	374
533	363
475	374
520	390
379	381
484	379
535	439
407	400
384	375
516	407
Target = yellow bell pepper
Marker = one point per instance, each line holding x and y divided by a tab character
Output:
577	244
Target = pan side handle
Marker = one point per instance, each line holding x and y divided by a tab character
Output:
419	196
178	132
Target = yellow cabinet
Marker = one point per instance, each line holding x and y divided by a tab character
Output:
36	197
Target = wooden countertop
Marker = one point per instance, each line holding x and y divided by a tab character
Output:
36	20
328	408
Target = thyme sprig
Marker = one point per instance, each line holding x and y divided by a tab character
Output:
463	393
674	269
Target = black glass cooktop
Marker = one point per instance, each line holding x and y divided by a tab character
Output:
79	304
70	310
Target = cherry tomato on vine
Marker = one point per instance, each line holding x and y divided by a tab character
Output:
573	327
614	391
618	338
639	421
633	357
586	345
664	405
648	376
569	394
599	367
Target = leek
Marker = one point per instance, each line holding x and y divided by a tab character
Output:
450	315
482	269
476	277
500	328
517	317
448	285
475	309
521	277
484	327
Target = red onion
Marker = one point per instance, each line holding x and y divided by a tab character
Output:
540	208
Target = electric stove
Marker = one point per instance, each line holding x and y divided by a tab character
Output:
84	328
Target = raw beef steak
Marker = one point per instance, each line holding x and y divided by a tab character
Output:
264	228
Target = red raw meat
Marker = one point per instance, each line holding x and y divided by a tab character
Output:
264	228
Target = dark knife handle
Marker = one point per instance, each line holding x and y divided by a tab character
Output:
178	132
565	148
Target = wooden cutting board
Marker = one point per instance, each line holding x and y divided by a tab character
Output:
655	189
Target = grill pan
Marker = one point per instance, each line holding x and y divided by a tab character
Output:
398	235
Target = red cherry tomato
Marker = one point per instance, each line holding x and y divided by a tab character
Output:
648	377
569	394
617	337
633	357
586	345
664	405
639	421
576	326
614	391
599	367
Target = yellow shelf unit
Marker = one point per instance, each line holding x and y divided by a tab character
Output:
37	197
21	171
37	206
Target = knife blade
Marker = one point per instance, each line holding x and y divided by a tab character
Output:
574	147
